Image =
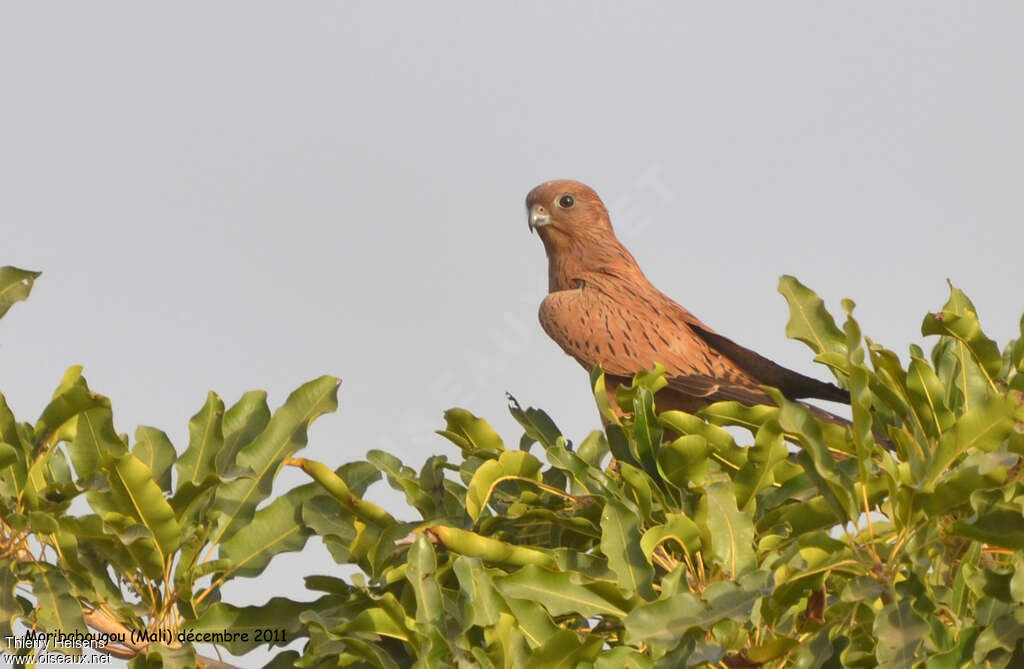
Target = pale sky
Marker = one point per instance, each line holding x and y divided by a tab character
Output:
245	195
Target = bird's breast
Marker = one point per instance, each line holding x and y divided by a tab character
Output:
595	329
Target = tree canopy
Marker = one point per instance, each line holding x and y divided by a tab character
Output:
734	537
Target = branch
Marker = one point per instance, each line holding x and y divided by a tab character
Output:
99	621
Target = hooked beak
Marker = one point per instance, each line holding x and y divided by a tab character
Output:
539	217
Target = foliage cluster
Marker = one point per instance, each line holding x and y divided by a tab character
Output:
662	540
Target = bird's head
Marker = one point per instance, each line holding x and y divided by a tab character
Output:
577	234
563	212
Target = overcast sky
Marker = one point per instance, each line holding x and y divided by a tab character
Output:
244	195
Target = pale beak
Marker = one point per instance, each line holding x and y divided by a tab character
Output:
538	217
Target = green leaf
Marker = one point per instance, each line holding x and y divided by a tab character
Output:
816	513
158	655
58	472
157	452
651	381
1000	524
473	435
594	448
809	321
489	549
276	528
94	441
982	427
190	501
959	655
863	588
796	419
623	657
403	478
508	645
35	480
448	496
898	393
377	620
646	430
666	621
9	607
278	613
421	574
324	515
620	542
928	396
533	620
585	475
758	473
328	646
60	415
206	439
562	593
538	425
140	551
8	455
58	610
998	643
677	527
134	493
72	378
732	413
959	320
708	425
817	652
42	523
728	531
360	474
285	434
978	471
640	489
15	286
1015	349
684	461
64	409
9	426
621	446
772	648
481	603
97	543
243	422
510	466
900	631
966	380
600	390
566	649
594	566
13	474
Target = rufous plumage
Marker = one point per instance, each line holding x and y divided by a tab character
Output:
601	309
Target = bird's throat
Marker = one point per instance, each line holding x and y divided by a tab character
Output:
572	264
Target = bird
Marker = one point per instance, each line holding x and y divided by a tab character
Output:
602	310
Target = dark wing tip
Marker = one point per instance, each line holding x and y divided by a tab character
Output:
793	385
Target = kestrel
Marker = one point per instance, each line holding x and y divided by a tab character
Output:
601	309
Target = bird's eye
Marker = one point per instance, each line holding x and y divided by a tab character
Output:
566	201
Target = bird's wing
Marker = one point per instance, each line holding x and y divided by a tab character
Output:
792	384
626	335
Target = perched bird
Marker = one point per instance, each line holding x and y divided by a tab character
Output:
601	309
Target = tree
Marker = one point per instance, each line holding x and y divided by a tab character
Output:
661	540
